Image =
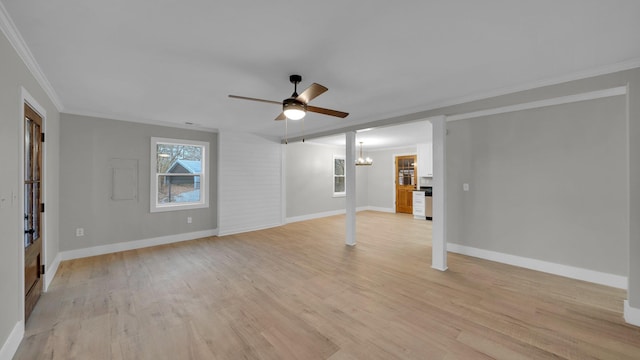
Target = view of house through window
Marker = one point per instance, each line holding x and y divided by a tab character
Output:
179	173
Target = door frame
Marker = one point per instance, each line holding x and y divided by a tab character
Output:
26	98
393	175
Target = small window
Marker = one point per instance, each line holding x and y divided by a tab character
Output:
178	174
338	176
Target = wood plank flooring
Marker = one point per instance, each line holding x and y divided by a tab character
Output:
297	292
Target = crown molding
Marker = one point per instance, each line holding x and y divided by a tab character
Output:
12	34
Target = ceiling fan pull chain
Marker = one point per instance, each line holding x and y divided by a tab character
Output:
302	129
286	127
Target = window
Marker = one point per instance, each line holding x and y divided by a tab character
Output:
338	176
178	174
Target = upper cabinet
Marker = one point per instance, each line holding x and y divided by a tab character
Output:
425	160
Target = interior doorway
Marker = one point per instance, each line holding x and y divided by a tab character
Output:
405	183
33	208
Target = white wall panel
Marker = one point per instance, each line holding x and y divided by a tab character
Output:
250	175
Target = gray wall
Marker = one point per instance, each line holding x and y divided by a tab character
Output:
546	184
633	136
87	147
309	180
13	76
381	187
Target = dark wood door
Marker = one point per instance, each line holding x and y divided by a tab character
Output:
406	178
32	209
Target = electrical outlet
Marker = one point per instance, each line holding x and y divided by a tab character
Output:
79	231
465	187
189	220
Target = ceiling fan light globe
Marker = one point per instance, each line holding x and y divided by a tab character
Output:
294	114
294	109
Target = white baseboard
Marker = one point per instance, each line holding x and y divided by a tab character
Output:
597	277
131	245
631	314
10	346
333	213
314	216
240	230
380	209
51	271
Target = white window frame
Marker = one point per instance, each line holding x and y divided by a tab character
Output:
333	178
204	178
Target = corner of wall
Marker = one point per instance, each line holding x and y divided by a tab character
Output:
631	314
51	271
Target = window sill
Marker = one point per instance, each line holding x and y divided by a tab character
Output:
164	208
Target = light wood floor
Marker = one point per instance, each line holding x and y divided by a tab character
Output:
297	292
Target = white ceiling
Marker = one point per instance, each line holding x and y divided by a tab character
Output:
170	61
388	137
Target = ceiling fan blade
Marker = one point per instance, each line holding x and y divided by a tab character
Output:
281	116
324	111
310	93
254	99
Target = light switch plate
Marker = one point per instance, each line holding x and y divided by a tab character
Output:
465	187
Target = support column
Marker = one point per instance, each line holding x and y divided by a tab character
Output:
439	237
350	187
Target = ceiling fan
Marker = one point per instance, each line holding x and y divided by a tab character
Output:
296	106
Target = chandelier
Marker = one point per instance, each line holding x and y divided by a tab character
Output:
363	161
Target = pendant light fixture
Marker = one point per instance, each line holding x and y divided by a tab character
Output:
363	161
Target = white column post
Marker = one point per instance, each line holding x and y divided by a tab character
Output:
439	236
283	184
350	175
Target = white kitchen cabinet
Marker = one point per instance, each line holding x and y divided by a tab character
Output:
418	205
425	160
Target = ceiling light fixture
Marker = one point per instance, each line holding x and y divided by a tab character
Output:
294	109
363	161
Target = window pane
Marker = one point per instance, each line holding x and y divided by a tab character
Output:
28	150
35	200
36	152
28	236
178	189
338	166
338	185
178	158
